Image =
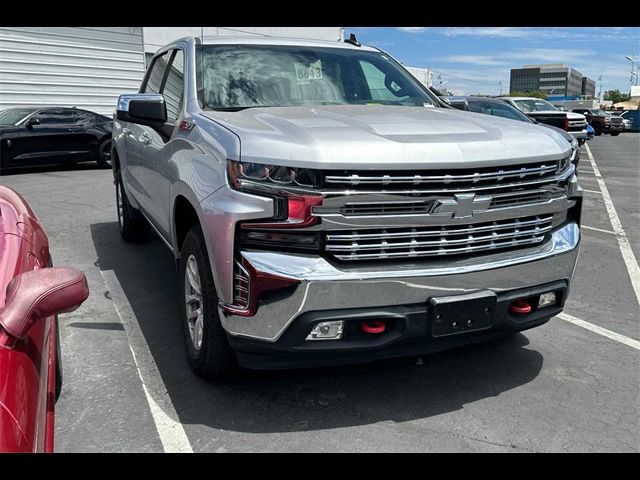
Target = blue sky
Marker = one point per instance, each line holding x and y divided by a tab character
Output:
475	59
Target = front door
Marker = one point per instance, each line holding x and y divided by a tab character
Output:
157	151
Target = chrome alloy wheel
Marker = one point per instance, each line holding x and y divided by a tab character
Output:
193	302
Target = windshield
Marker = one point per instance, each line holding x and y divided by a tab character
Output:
600	113
13	116
534	105
499	109
243	76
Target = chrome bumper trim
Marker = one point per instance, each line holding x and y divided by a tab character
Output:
324	286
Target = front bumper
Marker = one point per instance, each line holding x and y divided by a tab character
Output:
325	287
408	332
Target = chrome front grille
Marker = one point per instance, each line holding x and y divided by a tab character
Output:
451	180
429	205
402	243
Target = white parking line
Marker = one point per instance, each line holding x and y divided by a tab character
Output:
597	229
600	331
623	242
592	191
171	432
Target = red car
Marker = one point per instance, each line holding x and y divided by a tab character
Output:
31	294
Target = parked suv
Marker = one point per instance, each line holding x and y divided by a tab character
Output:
323	209
601	121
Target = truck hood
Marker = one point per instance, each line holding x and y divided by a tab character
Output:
377	136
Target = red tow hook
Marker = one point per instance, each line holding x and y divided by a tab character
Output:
520	306
375	327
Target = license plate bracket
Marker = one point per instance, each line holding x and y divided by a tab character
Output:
461	313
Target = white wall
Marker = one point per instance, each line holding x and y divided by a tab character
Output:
156	37
87	67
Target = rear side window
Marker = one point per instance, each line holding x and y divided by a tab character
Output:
56	116
154	80
174	87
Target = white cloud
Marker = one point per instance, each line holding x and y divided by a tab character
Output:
412	29
524	55
504	32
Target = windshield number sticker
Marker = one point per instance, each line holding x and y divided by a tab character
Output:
307	72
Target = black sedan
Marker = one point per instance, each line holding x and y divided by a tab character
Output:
36	136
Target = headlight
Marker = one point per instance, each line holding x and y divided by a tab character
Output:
258	176
575	152
288	186
574	144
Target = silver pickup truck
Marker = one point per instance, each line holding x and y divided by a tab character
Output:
324	208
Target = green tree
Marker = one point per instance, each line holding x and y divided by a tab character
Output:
534	94
616	96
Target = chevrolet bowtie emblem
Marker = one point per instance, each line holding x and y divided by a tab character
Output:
463	205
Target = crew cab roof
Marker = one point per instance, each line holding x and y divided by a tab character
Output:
297	42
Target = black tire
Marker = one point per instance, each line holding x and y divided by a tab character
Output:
214	359
615	134
133	226
58	361
104	153
598	132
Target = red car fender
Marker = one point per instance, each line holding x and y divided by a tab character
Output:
27	372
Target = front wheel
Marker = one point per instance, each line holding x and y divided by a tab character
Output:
104	153
133	226
615	134
208	349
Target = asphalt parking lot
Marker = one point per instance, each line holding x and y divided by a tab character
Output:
565	386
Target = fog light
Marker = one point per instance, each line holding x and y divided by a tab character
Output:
547	299
327	331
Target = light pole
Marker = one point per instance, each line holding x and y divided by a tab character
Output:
440	83
634	72
500	85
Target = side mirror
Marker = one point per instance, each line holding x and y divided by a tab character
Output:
38	294
142	108
459	103
33	121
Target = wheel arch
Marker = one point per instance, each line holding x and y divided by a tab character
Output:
187	212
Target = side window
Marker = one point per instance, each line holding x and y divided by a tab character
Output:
173	89
53	116
85	117
154	80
